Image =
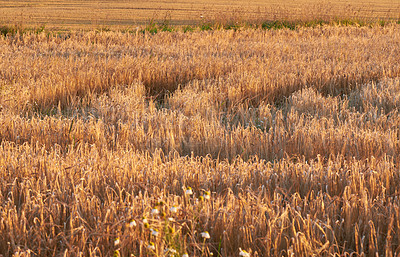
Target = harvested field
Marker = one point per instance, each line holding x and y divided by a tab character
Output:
78	14
280	142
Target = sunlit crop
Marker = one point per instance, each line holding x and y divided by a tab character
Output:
239	142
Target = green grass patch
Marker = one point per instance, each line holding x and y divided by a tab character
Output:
6	30
154	27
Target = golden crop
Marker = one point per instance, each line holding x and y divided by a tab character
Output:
271	142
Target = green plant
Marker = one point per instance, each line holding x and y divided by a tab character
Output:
188	28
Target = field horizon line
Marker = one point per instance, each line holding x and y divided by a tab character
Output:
153	26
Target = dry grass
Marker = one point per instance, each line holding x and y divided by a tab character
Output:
294	134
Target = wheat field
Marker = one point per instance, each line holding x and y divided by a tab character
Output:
203	142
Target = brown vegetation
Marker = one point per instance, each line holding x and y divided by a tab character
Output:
293	135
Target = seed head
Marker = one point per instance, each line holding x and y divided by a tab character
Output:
132	223
205	235
207	195
116	253
154	232
155	211
243	253
145	222
151	246
189	191
174	209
